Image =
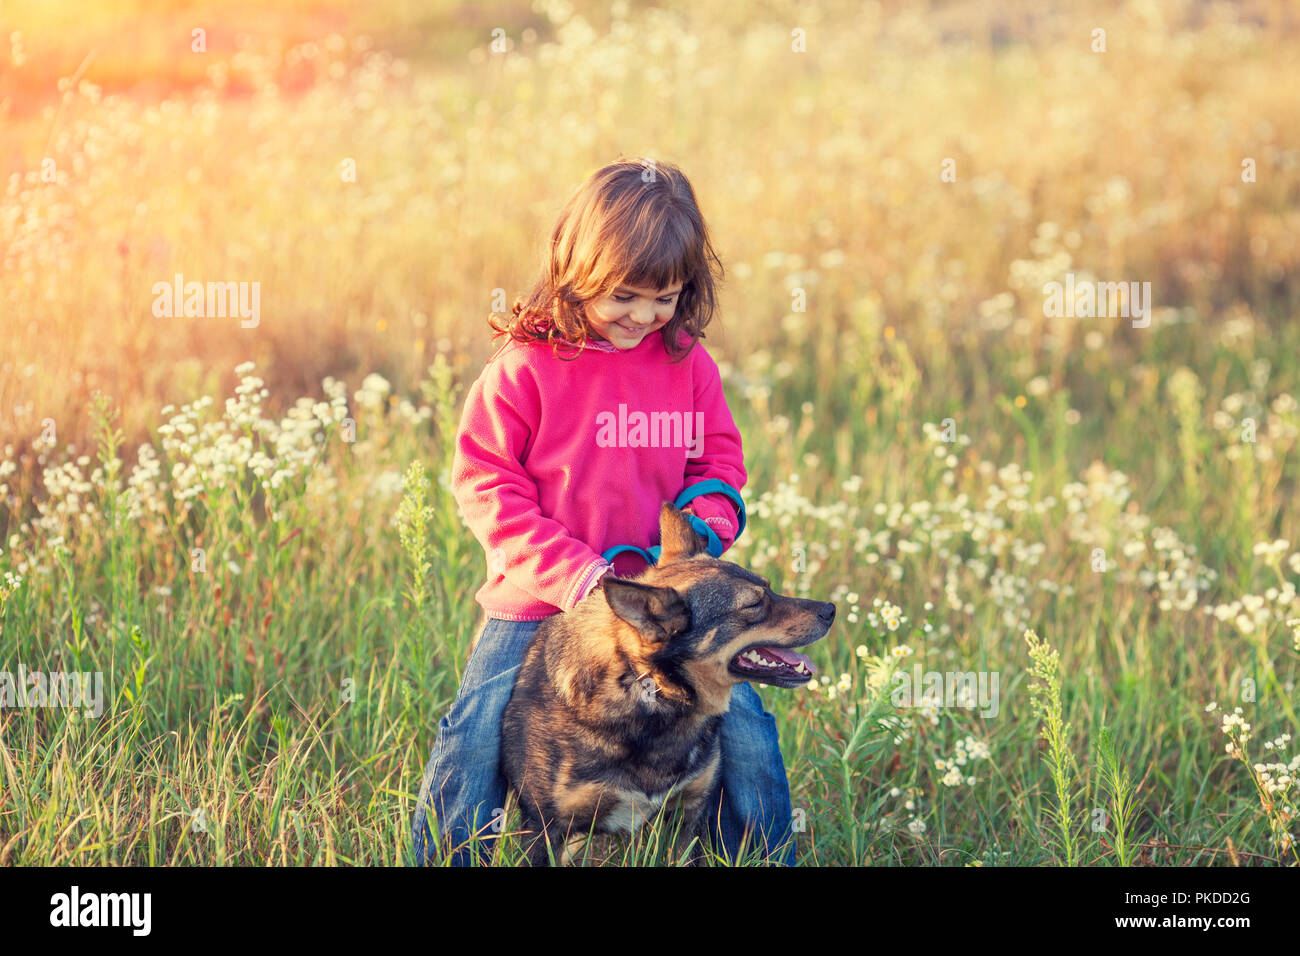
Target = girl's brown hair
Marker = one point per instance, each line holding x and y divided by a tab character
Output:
632	222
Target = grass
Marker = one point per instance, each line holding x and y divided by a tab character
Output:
279	592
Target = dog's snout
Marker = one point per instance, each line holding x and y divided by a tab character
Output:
826	613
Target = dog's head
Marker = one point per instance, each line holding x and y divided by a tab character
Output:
710	624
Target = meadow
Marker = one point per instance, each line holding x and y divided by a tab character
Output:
247	530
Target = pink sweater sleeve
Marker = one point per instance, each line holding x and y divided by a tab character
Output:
722	456
498	499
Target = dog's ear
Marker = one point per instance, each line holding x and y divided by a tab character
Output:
677	539
658	614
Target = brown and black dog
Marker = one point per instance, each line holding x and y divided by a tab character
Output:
617	708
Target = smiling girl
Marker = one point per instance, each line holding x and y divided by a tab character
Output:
616	319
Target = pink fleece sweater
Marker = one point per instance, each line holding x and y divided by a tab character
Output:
556	461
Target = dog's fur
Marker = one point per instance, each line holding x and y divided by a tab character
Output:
617	708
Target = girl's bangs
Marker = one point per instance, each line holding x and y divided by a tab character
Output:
657	265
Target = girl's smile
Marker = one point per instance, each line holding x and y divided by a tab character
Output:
630	313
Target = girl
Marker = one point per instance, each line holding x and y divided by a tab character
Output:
551	470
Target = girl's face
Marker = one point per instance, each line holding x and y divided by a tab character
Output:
630	313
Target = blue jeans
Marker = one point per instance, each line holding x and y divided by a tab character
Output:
465	790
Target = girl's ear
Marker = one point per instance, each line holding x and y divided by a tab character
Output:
677	539
658	614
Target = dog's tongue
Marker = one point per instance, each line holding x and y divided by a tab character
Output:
786	656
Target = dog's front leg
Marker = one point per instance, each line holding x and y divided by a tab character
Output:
544	840
694	832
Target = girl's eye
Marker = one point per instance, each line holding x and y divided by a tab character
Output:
628	298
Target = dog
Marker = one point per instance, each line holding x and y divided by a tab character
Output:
616	711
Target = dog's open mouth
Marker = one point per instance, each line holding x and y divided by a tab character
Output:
773	665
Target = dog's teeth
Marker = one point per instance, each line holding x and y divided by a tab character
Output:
757	658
